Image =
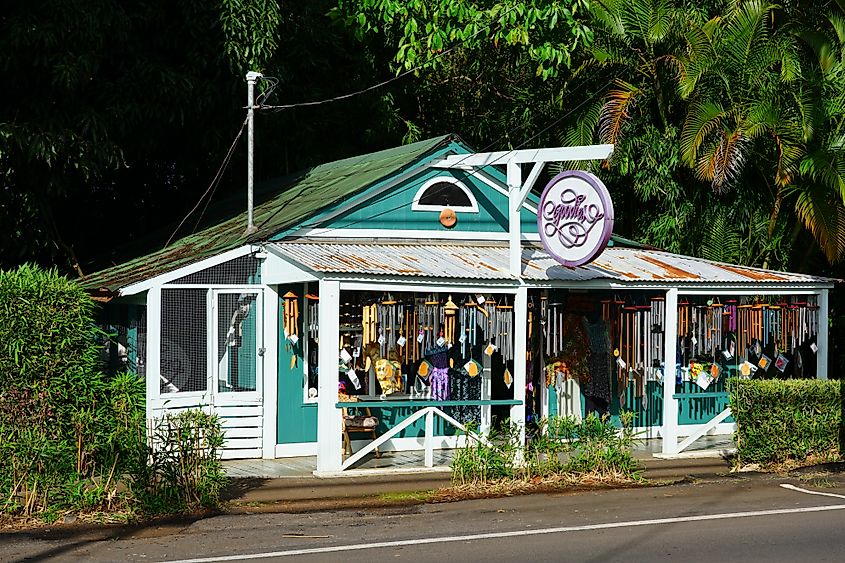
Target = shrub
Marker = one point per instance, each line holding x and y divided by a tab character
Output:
780	421
66	429
179	467
563	446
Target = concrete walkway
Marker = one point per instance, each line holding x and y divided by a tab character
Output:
290	483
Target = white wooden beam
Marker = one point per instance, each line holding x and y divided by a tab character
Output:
520	348
329	436
670	404
153	359
822	339
514	204
557	154
269	360
530	181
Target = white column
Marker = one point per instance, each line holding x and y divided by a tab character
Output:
822	337
670	405
520	347
486	393
514	228
329	440
153	358
270	360
429	438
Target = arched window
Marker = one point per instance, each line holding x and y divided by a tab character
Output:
444	191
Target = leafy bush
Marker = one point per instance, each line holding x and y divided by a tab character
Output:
180	467
563	446
66	429
780	421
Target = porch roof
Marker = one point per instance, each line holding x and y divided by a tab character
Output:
489	261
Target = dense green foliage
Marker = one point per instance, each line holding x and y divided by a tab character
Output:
780	421
70	434
562	448
727	115
181	467
67	431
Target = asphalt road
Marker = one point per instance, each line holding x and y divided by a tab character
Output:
743	519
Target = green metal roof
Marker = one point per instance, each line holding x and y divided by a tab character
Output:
310	192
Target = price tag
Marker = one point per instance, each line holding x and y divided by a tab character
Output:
353	377
463	338
621	363
293	338
421	337
480	299
441	341
381	340
814	348
344	355
356	352
401	341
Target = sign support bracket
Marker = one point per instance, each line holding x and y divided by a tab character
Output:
517	189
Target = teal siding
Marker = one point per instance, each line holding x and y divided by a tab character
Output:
296	420
392	210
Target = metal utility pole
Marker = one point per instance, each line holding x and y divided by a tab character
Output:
251	78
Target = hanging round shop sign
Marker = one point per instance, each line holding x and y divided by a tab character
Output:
575	217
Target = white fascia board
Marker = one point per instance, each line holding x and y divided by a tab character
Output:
556	154
411	234
162	279
428	285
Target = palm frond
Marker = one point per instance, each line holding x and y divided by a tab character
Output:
745	28
824	217
584	131
701	119
614	112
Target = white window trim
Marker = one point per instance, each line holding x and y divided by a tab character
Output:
417	206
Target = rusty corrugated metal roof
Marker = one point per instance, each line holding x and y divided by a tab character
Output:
473	260
312	191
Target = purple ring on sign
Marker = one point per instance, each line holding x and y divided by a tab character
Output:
607	219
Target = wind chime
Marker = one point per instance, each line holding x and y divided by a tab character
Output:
313	305
555	332
504	330
290	321
390	313
429	323
449	319
369	322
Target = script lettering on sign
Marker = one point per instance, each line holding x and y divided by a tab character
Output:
575	217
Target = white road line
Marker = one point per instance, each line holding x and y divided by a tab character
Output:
800	490
498	535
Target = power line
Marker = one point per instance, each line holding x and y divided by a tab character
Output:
212	186
475	171
380	84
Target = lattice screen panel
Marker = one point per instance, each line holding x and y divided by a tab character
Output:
184	341
240	271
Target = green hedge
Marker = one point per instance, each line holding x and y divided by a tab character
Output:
781	421
67	430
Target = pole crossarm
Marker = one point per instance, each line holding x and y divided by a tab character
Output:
521	156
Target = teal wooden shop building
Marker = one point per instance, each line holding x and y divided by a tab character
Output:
416	285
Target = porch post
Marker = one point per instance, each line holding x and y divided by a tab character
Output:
153	359
329	439
514	205
520	336
822	337
670	405
270	369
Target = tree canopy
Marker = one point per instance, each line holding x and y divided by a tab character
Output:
727	116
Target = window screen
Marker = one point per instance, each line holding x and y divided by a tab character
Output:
237	347
184	340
